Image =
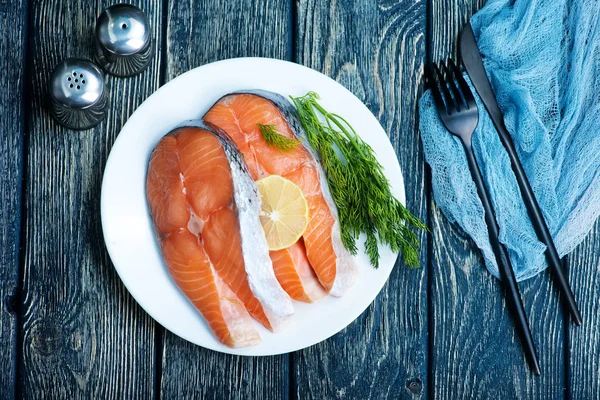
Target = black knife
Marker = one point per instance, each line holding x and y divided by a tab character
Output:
471	58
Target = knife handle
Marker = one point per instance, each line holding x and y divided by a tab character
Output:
538	221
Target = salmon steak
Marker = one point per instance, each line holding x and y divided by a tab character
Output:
238	115
205	208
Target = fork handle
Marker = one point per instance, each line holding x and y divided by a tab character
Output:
513	296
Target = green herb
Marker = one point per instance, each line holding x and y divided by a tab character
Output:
358	185
275	139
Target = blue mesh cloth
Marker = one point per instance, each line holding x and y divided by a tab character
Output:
543	60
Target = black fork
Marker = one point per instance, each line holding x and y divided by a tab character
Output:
458	112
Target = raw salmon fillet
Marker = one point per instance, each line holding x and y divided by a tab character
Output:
200	199
238	115
295	274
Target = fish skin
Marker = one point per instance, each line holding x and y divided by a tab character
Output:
337	272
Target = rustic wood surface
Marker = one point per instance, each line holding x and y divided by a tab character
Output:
82	334
583	354
69	328
12	48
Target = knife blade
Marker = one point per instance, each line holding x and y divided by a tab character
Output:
469	52
473	63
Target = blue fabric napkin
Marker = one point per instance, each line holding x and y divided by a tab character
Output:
543	60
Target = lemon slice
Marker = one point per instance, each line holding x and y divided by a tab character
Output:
284	213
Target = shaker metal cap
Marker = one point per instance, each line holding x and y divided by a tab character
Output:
78	97
76	83
123	29
122	44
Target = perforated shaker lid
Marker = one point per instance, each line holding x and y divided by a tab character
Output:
76	83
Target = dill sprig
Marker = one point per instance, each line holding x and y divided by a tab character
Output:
275	139
358	185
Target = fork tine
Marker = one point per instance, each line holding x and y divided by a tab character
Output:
458	102
435	91
463	85
447	95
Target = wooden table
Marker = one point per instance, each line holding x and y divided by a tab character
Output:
69	328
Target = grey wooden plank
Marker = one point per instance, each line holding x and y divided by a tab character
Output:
199	33
584	341
475	353
83	335
377	50
447	18
192	372
12	45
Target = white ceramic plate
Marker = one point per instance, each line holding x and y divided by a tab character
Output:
126	219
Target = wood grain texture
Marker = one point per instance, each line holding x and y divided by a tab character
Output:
375	49
447	18
584	341
198	33
475	353
13	16
83	336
